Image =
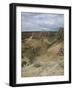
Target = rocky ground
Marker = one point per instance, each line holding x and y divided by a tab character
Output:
49	61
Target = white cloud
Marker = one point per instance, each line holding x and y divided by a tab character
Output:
36	21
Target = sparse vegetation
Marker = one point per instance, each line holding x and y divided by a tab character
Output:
44	48
24	63
60	34
37	65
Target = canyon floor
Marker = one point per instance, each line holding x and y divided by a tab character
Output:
43	61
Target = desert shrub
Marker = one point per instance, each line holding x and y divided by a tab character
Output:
30	53
26	35
23	52
61	65
61	52
60	34
36	51
37	65
53	37
23	63
33	53
31	58
22	55
49	45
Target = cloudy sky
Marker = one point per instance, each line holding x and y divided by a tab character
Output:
41	21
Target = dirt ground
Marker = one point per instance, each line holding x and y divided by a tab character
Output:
48	63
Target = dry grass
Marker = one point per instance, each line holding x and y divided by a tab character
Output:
42	60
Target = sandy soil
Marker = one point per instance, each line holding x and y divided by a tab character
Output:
47	64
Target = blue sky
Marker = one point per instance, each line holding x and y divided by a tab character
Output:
41	21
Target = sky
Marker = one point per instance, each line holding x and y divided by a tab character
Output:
41	21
